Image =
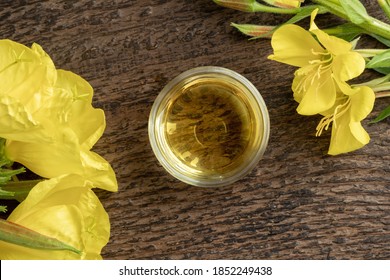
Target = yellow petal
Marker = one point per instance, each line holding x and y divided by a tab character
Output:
347	132
359	133
61	157
320	96
99	171
51	74
16	122
340	99
88	125
25	74
342	139
87	122
76	86
344	88
332	44
348	66
48	159
302	81
362	103
294	45
97	224
10	52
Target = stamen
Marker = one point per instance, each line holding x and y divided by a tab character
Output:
337	114
323	124
320	67
327	120
315	61
319	53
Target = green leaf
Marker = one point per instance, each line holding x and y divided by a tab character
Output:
17	190
6	194
306	12
6	175
383	115
347	31
385	5
355	11
380	60
3	160
375	82
384	41
19	235
382	70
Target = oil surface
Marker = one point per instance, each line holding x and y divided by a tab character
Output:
208	126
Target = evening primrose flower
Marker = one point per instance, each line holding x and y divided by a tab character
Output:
325	64
351	107
64	208
47	117
74	126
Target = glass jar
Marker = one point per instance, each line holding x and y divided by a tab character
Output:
209	126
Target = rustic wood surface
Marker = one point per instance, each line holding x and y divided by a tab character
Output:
298	203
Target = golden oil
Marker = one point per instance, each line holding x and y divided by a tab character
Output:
209	127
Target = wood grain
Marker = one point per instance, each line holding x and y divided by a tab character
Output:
298	203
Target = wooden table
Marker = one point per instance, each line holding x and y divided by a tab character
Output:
298	203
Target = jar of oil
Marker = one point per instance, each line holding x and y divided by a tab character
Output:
209	126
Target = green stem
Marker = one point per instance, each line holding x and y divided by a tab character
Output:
6	194
333	8
370	25
17	190
381	87
377	27
384	4
27	184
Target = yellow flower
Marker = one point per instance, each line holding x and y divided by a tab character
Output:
74	127
350	109
47	117
64	208
325	64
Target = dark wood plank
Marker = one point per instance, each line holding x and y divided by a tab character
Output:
298	203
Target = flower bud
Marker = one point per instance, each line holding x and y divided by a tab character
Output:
240	5
264	31
19	235
288	4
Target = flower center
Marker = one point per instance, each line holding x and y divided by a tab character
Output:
319	68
